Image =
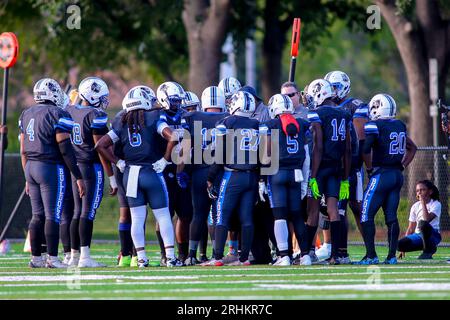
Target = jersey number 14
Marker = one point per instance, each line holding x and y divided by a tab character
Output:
338	131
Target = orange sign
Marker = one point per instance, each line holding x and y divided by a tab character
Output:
9	49
296	29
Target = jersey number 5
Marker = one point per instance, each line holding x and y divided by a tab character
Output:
292	144
338	131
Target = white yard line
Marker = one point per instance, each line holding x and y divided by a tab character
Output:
364	287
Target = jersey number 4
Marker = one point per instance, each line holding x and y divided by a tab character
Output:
30	130
338	131
398	143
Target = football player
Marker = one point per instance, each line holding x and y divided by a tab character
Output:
201	126
90	125
331	146
237	146
144	161
387	152
229	86
45	145
284	187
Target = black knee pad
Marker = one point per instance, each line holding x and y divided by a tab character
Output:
280	213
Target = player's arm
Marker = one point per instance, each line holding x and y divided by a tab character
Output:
317	151
265	144
107	166
427	215
23	156
347	154
411	149
104	147
371	133
411	228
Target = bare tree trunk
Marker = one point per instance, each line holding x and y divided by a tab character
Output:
206	25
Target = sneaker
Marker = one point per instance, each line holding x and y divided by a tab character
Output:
55	263
425	256
392	260
237	263
314	258
283	261
344	260
44	256
331	261
134	262
368	261
191	261
124	261
174	262
66	259
90	263
74	259
296	261
230	258
324	252
142	263
36	262
163	262
305	260
213	263
296	254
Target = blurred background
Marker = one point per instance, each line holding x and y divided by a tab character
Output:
384	46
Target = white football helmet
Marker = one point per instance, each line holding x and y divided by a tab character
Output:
382	106
320	90
279	104
191	101
340	82
229	86
213	97
144	91
170	95
48	90
137	99
242	104
94	91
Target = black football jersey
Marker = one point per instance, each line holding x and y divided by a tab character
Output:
39	123
201	126
390	144
240	143
87	122
143	148
334	122
291	150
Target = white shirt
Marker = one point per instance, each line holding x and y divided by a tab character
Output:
416	213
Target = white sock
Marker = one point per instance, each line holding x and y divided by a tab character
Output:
74	253
162	215
281	234
85	252
138	216
141	255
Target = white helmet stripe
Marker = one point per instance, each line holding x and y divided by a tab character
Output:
391	104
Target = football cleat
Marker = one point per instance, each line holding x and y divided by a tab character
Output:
392	260
142	263
191	261
237	263
174	262
74	259
55	263
283	261
324	252
368	261
90	263
305	260
124	261
213	263
203	258
344	260
313	256
331	261
66	259
36	262
230	258
134	262
163	262
425	256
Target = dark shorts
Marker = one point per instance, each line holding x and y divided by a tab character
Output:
180	200
121	192
329	181
47	183
283	191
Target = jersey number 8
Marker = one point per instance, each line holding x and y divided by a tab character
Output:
76	134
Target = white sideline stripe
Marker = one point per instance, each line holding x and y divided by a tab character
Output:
83	277
206	282
430	286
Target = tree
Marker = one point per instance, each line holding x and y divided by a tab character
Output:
206	28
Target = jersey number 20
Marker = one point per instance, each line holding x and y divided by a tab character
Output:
398	143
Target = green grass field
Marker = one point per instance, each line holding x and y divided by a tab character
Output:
410	279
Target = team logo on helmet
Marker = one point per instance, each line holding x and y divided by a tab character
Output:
95	87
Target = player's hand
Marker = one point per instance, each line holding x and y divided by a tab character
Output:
81	188
121	165
160	165
182	179
212	192
314	188
27	188
262	189
402	255
344	191
112	186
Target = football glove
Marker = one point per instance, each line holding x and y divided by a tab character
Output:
121	165
160	165
314	188
344	190
262	189
212	192
182	179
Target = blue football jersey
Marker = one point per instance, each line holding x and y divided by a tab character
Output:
334	122
240	143
87	122
144	147
291	150
390	143
39	124
201	126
